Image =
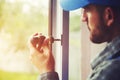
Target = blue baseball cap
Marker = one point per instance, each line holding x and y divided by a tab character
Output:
69	5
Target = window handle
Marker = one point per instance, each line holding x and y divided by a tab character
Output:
53	40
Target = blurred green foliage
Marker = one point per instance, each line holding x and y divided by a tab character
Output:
75	23
4	75
20	22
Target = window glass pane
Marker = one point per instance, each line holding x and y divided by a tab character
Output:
75	46
19	19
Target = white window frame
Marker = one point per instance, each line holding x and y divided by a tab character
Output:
60	30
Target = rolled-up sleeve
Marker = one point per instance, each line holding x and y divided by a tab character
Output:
49	76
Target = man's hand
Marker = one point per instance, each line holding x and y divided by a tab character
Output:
40	54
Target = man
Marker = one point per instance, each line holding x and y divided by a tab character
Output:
103	21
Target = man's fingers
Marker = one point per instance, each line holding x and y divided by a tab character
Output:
34	40
37	40
48	42
40	42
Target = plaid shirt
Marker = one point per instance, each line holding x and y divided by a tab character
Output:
106	66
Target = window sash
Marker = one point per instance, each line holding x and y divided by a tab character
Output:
59	28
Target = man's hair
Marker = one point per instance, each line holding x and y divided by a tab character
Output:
116	9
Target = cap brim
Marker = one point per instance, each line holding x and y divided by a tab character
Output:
69	5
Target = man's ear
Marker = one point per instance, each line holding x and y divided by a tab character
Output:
109	16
